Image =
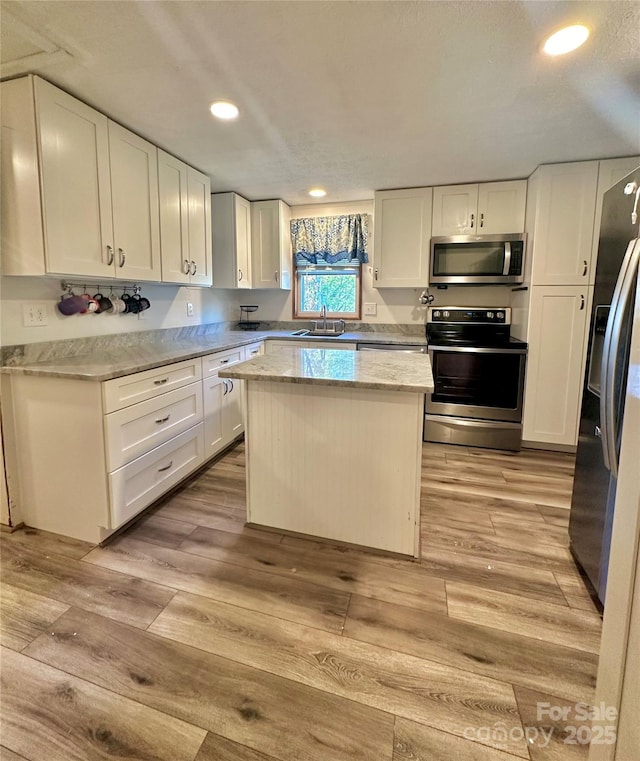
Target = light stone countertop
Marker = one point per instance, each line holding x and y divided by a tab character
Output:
115	364
387	371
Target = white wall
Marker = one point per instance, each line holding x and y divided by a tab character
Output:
168	310
394	305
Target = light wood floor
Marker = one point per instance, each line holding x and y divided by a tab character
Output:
193	637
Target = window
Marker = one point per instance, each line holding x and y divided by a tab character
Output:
335	286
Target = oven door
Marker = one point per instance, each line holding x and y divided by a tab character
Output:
480	383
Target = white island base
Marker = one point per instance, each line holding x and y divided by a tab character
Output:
335	462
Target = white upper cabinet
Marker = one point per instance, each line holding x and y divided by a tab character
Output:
136	217
610	171
270	245
174	219
231	222
402	235
185	222
75	179
560	221
199	221
484	209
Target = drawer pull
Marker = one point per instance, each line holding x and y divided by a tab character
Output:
224	361
163	419
160	382
166	467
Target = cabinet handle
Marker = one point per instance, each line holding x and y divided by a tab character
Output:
256	351
226	388
163	419
160	382
123	257
584	268
581	303
239	275
375	273
186	266
473	218
166	467
276	275
194	267
481	220
224	361
231	382
111	256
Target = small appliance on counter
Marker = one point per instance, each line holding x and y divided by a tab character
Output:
478	372
245	323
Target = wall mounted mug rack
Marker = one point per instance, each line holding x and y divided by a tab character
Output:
130	301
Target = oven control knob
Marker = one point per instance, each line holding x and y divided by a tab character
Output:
500	315
490	315
436	313
445	314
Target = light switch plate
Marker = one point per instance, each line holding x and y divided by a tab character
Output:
189	309
35	314
371	309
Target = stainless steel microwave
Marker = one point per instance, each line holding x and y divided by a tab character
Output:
477	259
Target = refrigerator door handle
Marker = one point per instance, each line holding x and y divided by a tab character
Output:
608	375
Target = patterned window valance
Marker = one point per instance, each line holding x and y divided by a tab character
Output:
330	240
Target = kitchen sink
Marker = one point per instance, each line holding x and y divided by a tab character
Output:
300	332
326	333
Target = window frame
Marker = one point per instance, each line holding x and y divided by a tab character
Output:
352	268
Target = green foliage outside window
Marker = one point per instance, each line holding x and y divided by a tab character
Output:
336	288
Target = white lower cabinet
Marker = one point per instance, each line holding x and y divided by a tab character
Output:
555	364
142	481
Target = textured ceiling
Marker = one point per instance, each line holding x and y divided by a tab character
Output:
353	96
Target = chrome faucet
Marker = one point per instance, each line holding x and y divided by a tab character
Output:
323	314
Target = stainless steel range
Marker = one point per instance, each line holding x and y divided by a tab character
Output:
478	372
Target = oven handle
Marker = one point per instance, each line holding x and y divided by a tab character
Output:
507	258
477	349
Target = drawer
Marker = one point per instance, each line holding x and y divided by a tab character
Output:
274	345
135	430
130	389
142	481
254	350
214	362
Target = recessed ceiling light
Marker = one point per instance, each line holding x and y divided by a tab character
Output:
222	109
565	40
317	192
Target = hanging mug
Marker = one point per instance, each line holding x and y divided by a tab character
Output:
71	304
117	305
91	304
104	303
142	302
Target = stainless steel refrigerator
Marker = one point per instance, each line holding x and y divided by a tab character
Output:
594	488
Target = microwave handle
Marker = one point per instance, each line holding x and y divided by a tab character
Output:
507	258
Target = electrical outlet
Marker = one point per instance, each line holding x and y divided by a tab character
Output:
371	309
189	309
35	314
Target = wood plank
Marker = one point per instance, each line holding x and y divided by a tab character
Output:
500	655
9	755
268	713
544	533
511	613
44	541
444	510
410	585
216	748
516	492
472	470
162	531
557	516
415	742
493	574
118	596
550	740
506	549
51	715
213	516
427	692
283	597
454	503
24	615
575	591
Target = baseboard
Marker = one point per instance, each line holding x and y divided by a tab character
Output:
567	448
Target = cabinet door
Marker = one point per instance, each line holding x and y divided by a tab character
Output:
242	214
174	232
214	392
232	413
199	195
402	235
557	342
136	218
501	207
609	172
76	190
455	210
563	230
265	244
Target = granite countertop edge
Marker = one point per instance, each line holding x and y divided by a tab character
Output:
341	382
151	356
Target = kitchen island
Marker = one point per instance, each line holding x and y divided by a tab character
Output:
334	444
